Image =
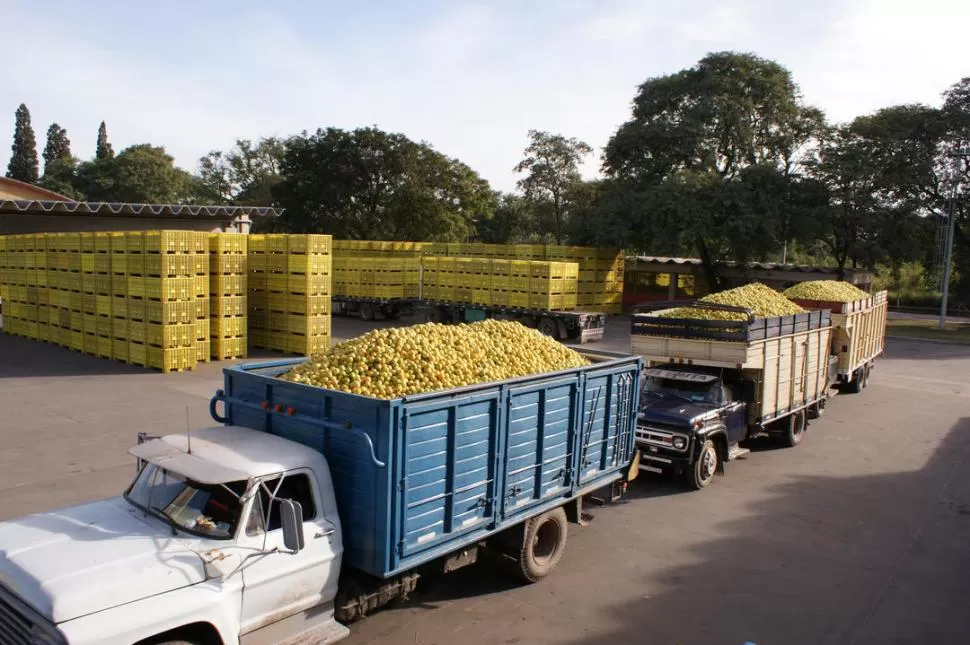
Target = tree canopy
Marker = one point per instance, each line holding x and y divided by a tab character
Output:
367	183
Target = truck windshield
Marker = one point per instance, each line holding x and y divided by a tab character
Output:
210	511
689	390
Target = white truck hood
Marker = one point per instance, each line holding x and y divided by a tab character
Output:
91	557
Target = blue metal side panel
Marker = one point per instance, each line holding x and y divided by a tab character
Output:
540	443
361	488
448	471
607	434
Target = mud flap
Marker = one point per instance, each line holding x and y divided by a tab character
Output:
634	470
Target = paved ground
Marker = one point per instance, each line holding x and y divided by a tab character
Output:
858	536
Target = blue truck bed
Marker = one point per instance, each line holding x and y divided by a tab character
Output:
422	476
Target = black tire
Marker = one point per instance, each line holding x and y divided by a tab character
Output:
543	544
432	315
549	327
367	311
701	472
794	429
391	312
855	386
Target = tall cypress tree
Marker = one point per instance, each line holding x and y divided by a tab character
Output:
58	145
23	165
104	150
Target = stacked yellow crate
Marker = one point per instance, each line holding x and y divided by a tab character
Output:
289	292
518	284
227	295
162	298
20	303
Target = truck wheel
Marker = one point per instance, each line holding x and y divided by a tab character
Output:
391	312
549	327
543	543
702	471
366	311
795	429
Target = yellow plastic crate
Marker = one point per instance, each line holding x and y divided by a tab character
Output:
119	263
274	262
77	341
201	285
167	241
228	264
162	288
227	348
310	263
118	243
481	297
172	360
227	243
136	331
202	329
104	347
276	242
228	327
258	300
258	281
202	307
137	353
119	328
499	298
518	299
203	351
199	242
91	344
169	264
309	243
230	306
307	325
87	242
119	350
230	285
257	243
168	313
102	305
136	263
256	262
170	336
305	345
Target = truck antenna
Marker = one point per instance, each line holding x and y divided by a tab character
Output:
188	433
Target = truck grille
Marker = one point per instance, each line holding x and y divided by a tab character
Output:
658	437
17	620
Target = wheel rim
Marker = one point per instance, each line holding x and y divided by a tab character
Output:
548	327
708	464
545	542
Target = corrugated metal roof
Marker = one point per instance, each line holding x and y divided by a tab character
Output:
767	266
43	207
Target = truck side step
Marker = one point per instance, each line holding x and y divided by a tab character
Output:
735	451
315	625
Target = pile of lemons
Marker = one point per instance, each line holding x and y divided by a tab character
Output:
826	291
395	362
764	301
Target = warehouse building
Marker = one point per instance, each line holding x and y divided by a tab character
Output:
653	278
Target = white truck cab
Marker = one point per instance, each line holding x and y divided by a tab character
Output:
226	535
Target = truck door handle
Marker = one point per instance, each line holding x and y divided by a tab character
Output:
323	534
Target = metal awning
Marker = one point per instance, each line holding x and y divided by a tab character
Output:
43	207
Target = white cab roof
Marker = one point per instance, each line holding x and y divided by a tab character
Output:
223	454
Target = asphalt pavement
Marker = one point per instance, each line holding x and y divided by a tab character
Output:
857	536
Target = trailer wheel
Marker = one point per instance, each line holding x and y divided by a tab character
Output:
549	327
367	311
391	312
795	429
543	543
702	470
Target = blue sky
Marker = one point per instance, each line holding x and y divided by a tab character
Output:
471	78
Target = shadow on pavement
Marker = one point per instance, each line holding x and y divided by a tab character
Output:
825	560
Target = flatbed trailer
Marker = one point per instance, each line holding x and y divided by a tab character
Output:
584	326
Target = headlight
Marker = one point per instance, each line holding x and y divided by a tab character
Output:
680	443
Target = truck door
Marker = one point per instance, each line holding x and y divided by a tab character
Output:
734	415
278	583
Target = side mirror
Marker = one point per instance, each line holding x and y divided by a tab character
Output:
291	514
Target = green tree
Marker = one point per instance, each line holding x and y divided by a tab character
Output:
551	164
513	221
955	173
58	145
244	175
23	164
713	160
103	149
371	184
138	174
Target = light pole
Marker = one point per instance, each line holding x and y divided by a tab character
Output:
959	153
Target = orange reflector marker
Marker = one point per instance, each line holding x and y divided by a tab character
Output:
290	411
265	405
277	408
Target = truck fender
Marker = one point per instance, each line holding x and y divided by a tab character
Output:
719	436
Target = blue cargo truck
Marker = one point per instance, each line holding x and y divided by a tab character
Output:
307	508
